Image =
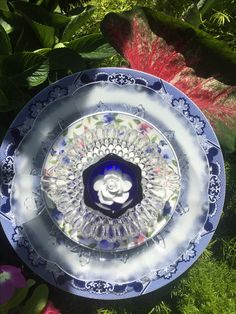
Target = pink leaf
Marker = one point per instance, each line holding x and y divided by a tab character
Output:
175	51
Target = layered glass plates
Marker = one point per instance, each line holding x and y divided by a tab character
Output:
112	183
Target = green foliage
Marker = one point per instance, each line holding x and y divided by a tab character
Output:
37	302
226	137
220	21
3	5
26	68
106	311
75	24
209	288
17	298
65	59
5	47
161	308
221	18
39	46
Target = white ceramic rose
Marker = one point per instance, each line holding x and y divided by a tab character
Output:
112	187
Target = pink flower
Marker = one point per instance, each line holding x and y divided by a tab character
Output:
144	127
50	309
11	278
140	239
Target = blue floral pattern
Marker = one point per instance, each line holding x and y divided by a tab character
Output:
182	106
121	78
7	170
108	118
21	241
56	93
189	253
167	272
26	126
99	286
102	287
214	189
36	108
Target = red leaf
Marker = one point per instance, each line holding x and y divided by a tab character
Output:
202	67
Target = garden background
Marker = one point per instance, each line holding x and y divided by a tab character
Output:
42	41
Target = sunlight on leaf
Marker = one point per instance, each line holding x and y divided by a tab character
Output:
221	18
3	5
5	44
76	22
39	14
36	303
26	68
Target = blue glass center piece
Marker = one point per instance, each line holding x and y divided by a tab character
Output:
112	185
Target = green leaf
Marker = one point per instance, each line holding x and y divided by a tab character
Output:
17	298
38	300
78	126
39	20
49	5
11	21
5	45
75	23
43	51
3	5
204	5
27	41
192	15
39	14
65	58
195	11
26	68
87	43
92	46
154	138
226	136
75	11
102	52
12	96
44	33
174	162
119	120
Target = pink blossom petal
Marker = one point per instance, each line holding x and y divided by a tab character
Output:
17	279
13	280
6	291
50	309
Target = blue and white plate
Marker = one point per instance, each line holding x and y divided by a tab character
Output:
112	183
